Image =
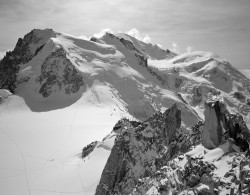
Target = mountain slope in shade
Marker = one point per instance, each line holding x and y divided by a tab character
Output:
69	92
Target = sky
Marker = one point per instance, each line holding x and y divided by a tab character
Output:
220	26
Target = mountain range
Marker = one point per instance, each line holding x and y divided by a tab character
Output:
115	115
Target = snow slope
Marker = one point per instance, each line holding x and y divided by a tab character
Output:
41	152
199	76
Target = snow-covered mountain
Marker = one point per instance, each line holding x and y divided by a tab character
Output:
59	93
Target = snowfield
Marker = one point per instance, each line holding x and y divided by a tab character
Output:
41	152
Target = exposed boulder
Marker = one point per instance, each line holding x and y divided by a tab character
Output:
88	149
240	96
248	102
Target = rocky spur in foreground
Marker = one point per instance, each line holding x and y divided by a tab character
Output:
161	156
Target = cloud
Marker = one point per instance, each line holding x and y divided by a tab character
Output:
103	32
189	49
83	37
146	39
138	35
175	48
133	32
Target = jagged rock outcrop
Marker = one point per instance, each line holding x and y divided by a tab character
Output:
116	166
218	121
198	176
197	95
88	149
212	134
57	73
156	157
135	151
25	49
239	175
172	122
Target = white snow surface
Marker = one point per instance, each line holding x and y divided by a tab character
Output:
41	152
4	94
41	139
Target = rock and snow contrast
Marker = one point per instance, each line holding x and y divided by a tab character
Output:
183	120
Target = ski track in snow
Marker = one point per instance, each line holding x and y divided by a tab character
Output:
46	164
53	156
59	165
18	149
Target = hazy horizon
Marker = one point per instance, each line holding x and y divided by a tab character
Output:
222	27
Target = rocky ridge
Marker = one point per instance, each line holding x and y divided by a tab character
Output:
25	49
138	49
139	151
160	156
58	72
219	122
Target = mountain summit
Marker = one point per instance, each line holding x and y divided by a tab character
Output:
59	93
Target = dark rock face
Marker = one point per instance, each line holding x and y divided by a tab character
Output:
240	175
197	95
195	171
57	72
178	82
172	121
10	64
248	102
219	121
135	151
94	39
240	96
115	168
88	149
143	61
129	45
212	134
124	123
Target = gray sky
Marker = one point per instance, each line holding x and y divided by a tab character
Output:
221	26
